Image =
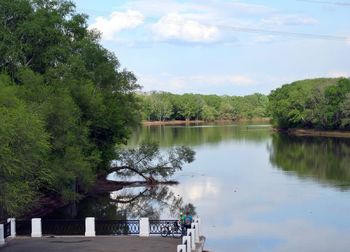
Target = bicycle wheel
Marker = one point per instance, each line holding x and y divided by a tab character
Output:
164	232
177	233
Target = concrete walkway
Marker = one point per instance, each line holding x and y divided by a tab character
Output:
96	244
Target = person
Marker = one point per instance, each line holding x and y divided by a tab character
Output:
187	220
182	222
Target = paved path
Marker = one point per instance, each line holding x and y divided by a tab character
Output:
96	244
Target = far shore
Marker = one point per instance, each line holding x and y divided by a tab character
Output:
313	132
188	122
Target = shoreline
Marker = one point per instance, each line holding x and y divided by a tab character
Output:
313	132
189	122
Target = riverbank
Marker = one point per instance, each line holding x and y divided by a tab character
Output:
190	122
313	132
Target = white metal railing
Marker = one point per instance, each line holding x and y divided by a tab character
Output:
191	239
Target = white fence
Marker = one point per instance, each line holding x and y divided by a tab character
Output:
192	241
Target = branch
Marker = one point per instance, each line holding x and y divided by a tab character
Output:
141	159
29	61
130	200
119	168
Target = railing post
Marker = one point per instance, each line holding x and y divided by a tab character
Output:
36	227
198	221
181	248
194	226
190	233
2	235
144	227
13	226
90	227
187	241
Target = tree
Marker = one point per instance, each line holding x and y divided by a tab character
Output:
226	111
24	146
67	86
191	106
162	107
345	112
150	163
308	103
208	113
167	106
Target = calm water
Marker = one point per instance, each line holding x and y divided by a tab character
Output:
259	191
254	190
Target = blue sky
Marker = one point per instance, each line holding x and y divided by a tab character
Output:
224	47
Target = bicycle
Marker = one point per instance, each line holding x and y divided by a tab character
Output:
173	229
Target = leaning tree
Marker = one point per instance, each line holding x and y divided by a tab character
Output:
147	161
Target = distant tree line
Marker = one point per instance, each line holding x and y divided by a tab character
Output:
162	106
315	104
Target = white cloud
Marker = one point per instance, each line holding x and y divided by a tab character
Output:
291	19
348	40
197	190
175	27
117	22
337	74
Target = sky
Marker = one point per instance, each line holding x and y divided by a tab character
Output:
224	47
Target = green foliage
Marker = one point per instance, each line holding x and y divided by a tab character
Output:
317	103
24	145
148	161
64	103
157	106
188	208
166	106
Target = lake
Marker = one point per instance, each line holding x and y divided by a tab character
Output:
254	190
261	191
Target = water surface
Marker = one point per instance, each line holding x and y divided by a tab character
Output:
260	191
254	190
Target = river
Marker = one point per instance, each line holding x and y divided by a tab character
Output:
256	190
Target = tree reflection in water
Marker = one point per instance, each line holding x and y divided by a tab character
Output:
153	202
147	201
323	159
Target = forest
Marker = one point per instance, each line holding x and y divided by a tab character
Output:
312	104
163	106
64	104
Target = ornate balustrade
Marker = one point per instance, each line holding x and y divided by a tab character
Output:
156	226
117	227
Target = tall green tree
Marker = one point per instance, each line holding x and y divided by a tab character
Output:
24	145
70	90
317	103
